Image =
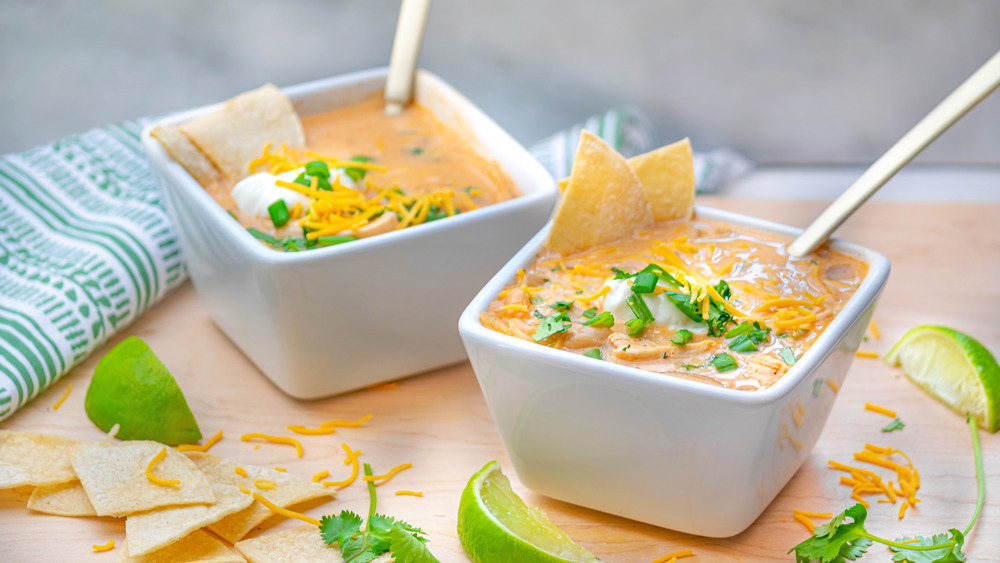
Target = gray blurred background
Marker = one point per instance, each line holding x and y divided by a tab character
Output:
785	82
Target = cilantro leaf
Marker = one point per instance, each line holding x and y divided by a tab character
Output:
949	552
594	353
590	313
604	319
837	541
562	305
337	529
407	547
896	424
552	324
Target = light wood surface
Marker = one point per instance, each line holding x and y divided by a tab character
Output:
946	270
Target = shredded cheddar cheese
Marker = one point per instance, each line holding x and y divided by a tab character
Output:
202	448
410	493
873	328
281	470
869	355
320	476
274	439
159	480
240	471
671	557
265	484
65	395
103	548
385	478
243	488
284	511
880	410
328	427
865	482
352	460
833	385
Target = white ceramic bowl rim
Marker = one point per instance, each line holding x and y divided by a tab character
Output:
265	254
878	270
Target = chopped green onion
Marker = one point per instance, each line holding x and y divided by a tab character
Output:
357	174
681	337
691	366
604	319
645	282
538	315
417	150
743	344
621	274
301	179
334	239
724	362
744	328
262	236
635	327
788	355
594	353
639	308
817	385
318	168
590	313
279	213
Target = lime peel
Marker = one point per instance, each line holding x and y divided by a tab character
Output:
495	525
953	368
133	389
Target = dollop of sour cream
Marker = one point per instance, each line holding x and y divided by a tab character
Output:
254	194
663	310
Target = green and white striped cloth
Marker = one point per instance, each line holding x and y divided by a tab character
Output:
86	245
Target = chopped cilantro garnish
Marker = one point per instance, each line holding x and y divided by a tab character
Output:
604	319
788	355
562	305
590	313
279	213
538	314
288	244
746	336
627	346
620	274
635	327
724	362
896	424
817	385
552	324
417	150
639	308
691	366
594	353
681	337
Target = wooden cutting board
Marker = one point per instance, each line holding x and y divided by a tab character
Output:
945	270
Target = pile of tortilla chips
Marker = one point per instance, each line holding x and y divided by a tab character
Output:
221	144
607	198
162	523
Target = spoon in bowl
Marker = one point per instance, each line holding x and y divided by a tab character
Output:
957	104
405	49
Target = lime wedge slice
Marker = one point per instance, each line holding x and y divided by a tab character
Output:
494	525
132	388
953	368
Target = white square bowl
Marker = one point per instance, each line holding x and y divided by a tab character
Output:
662	450
330	320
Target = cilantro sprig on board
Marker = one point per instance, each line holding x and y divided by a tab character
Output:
844	538
381	534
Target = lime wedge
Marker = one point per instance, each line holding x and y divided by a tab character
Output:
132	388
494	525
953	368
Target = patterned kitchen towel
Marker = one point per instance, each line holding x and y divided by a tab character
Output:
86	245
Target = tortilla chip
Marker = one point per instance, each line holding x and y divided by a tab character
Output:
234	135
34	459
604	201
667	176
64	499
291	546
149	531
289	490
181	149
114	476
198	547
